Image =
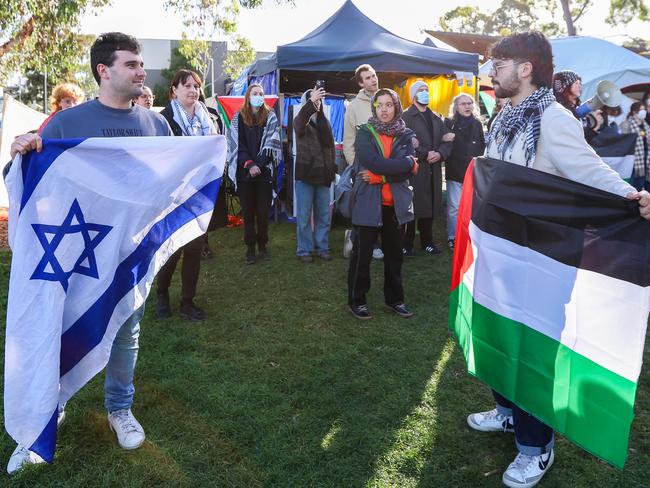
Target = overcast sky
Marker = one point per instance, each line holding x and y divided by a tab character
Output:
274	25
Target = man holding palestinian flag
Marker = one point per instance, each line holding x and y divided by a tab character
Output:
551	258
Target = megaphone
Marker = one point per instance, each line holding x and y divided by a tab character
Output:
607	95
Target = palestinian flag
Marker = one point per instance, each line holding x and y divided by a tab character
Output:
617	150
550	299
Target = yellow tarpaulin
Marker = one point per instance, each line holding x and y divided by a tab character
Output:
441	92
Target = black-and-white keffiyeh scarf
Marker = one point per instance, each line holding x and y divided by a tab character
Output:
271	143
199	124
524	118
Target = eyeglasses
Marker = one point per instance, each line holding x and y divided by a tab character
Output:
147	96
497	66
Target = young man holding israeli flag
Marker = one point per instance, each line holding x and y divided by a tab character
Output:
92	220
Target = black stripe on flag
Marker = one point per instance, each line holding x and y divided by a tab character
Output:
612	145
569	222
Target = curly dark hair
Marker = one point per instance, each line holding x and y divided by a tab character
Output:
532	46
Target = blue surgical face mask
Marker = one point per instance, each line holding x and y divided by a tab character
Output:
257	100
422	97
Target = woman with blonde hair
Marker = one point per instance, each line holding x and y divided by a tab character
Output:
254	146
469	142
64	96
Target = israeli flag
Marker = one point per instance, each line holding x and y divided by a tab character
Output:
91	221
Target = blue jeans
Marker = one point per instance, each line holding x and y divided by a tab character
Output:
316	197
532	436
454	189
118	387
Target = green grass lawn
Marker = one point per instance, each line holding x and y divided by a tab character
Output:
282	387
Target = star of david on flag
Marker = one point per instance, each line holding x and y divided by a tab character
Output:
58	232
91	222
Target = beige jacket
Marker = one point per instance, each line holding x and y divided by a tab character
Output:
563	151
358	112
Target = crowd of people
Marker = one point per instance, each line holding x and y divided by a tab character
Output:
398	157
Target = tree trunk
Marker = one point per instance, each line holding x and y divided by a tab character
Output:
20	37
566	9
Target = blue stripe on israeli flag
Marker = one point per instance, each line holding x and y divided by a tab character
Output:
91	223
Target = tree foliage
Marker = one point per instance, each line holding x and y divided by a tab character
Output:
177	61
511	16
205	20
522	15
75	68
625	11
42	35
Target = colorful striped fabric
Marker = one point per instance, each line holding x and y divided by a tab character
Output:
550	299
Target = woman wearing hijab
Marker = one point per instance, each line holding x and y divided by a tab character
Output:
254	146
187	117
382	202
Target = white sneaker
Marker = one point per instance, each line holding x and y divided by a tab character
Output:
526	471
20	457
130	434
347	244
60	418
491	421
377	253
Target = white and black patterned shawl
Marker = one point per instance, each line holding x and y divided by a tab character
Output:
524	118
271	143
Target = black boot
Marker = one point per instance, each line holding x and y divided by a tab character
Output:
191	312
163	309
250	255
264	253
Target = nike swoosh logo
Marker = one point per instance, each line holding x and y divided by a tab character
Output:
543	464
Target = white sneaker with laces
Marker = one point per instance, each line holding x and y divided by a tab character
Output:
491	421
130	434
377	253
526	471
20	457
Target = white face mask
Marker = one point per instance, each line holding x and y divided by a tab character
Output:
642	113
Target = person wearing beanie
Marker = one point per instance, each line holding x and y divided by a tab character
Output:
315	170
431	151
567	88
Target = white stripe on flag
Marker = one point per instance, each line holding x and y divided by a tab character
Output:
138	186
623	165
599	317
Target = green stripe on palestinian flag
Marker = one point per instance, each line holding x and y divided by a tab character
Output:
550	299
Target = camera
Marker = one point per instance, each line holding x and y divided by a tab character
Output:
320	84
